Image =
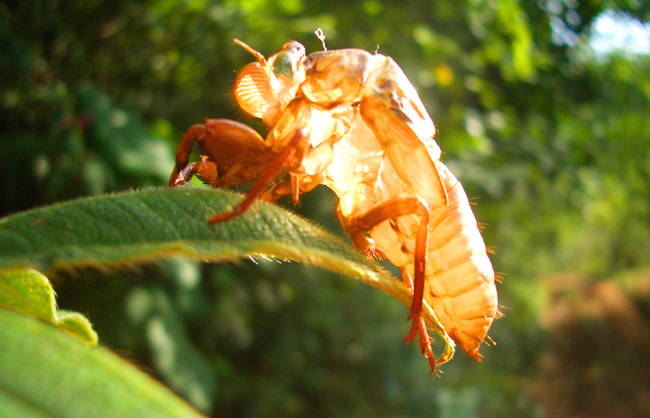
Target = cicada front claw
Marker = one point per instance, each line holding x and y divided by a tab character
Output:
205	170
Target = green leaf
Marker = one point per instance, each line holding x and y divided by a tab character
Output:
78	325
29	292
155	223
46	374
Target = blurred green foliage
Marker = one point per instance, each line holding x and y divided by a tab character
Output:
551	139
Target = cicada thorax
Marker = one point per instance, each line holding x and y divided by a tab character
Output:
336	77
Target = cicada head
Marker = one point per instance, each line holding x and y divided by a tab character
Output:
287	66
264	88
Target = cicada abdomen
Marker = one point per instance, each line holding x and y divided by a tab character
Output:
459	278
409	179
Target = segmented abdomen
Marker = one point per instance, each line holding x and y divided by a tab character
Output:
459	276
459	279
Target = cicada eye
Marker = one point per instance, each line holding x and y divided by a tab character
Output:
284	65
286	60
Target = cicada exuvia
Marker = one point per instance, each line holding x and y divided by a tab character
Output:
352	120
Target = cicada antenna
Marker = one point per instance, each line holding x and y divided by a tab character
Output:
253	52
321	36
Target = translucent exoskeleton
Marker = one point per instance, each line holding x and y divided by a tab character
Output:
351	120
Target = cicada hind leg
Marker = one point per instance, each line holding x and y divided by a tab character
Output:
419	325
392	209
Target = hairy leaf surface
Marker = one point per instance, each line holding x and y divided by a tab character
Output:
150	224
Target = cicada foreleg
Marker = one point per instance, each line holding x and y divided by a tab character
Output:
392	209
297	142
232	153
